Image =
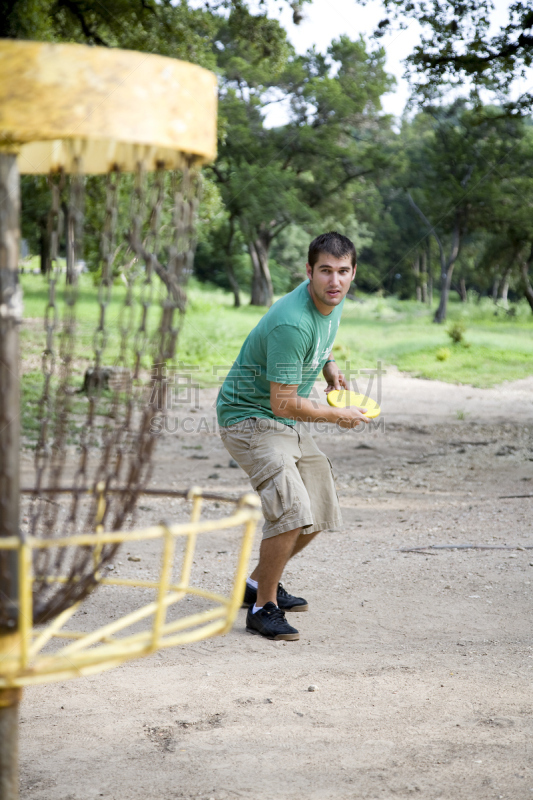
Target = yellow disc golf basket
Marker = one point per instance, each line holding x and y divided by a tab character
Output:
116	141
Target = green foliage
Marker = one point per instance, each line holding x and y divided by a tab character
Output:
461	42
171	29
446	206
289	253
213	263
35	204
450	192
377	328
310	173
456	332
443	354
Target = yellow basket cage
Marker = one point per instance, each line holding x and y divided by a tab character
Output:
72	110
22	661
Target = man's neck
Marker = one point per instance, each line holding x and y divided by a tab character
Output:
322	308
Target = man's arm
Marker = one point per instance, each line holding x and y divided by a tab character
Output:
286	403
334	377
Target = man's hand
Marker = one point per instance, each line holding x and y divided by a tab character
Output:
351	417
334	378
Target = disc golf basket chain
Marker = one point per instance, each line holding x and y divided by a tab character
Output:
144	124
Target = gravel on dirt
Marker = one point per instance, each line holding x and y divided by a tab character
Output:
423	659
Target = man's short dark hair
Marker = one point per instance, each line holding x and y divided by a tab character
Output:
333	243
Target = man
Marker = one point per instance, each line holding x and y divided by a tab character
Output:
260	407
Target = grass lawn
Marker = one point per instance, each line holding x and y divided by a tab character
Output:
498	348
495	349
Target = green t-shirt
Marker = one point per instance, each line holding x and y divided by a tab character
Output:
290	344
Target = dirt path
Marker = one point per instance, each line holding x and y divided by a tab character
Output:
422	662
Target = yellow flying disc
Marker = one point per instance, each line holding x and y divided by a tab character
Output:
343	399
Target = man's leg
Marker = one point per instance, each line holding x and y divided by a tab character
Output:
302	541
273	556
284	499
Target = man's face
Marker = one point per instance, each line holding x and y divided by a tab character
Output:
329	280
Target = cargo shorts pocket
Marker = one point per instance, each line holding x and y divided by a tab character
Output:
333	478
276	489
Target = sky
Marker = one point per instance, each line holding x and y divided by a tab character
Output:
328	19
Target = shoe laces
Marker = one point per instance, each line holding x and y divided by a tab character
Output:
276	614
282	590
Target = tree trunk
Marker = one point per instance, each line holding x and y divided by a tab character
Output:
44	246
505	291
446	271
430	276
229	266
424	277
524	269
69	243
234	284
262	290
503	288
495	284
462	291
416	270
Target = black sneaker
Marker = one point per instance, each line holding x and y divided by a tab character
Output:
270	622
285	600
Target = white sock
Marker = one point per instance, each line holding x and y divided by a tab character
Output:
255	609
251	583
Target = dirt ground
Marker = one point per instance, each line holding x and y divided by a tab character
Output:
422	662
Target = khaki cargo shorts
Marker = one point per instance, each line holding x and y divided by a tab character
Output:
293	477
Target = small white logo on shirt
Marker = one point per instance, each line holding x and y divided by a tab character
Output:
316	358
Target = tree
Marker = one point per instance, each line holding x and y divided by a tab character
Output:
459	45
304	171
154	26
510	218
200	35
456	176
396	258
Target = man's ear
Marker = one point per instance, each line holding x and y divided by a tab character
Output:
309	270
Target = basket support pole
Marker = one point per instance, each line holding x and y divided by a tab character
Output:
10	317
9	743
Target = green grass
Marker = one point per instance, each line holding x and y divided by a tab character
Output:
480	365
33	337
402	333
498	348
33	341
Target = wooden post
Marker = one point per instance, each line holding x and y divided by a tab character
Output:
9	743
10	316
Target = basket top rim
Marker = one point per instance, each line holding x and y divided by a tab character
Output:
60	103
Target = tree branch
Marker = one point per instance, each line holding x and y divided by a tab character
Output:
336	188
75	10
474	62
524	269
173	288
218	173
456	241
431	228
